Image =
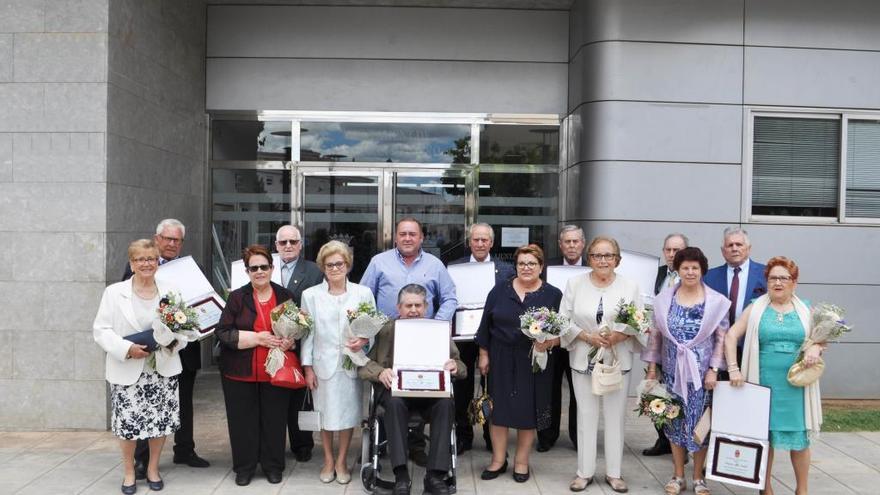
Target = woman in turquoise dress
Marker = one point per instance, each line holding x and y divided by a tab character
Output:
775	326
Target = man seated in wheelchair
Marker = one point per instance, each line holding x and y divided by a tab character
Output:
439	412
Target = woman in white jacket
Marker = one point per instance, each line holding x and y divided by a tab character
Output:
337	391
591	302
144	399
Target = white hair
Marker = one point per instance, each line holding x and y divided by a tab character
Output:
729	231
571	228
481	224
294	227
171	223
676	234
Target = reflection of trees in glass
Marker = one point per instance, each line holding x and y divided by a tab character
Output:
462	151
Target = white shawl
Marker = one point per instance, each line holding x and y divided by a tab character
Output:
751	351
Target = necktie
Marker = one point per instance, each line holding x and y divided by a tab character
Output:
285	275
734	294
671	279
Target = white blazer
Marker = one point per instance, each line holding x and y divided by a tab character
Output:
322	349
580	302
115	320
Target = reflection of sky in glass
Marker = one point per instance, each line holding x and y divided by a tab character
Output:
374	142
274	138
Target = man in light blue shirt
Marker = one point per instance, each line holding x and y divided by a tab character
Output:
406	264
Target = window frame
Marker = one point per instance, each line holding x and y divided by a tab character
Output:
844	116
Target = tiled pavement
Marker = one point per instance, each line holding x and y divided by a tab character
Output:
88	462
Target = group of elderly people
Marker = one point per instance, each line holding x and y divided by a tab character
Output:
692	321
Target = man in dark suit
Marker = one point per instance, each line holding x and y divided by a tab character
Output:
297	275
571	245
169	239
481	238
741	279
666	277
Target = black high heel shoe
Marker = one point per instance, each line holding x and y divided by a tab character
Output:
491	475
521	477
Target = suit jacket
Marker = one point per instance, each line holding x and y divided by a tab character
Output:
382	356
240	314
191	356
115	320
306	274
756	284
504	271
662	270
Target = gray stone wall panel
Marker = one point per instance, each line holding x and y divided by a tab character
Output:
59	157
6	57
851	372
22	318
30	360
667	132
18	16
89	247
74	208
28	410
60	57
386	85
74	304
5	354
609	183
844	24
77	16
387	33
859	301
88	357
6	157
678	73
75	404
835	78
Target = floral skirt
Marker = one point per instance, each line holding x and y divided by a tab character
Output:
149	408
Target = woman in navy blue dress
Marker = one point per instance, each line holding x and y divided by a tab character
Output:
521	398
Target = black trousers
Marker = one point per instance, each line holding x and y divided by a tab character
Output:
464	392
549	435
184	445
298	439
437	412
256	415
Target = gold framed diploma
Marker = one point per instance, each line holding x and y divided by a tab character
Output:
466	323
421	349
737	460
208	311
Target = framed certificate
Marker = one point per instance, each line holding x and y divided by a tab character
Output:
737	460
209	311
466	323
421	380
421	348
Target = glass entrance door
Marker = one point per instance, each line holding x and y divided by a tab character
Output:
342	206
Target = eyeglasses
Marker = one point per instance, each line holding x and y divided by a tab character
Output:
256	268
531	265
779	278
176	240
141	261
288	242
602	256
339	265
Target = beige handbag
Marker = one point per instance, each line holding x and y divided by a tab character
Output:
801	376
607	378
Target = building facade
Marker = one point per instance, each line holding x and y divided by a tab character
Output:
632	118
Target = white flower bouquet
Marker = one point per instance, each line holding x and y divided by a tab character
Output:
540	324
290	322
632	320
364	322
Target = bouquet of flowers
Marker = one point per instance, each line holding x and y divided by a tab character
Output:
632	320
288	321
540	324
828	325
174	321
657	403
364	322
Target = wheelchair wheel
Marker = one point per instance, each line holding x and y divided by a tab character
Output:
368	477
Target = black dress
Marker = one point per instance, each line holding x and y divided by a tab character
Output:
521	398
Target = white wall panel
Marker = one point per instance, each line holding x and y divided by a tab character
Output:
686	21
386	85
669	132
812	78
859	301
851	372
849	24
831	254
656	72
387	33
656	191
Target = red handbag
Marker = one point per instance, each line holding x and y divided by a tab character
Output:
290	375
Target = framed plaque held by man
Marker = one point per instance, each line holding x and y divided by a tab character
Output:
421	349
738	443
473	281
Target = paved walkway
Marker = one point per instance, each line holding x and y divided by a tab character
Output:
88	462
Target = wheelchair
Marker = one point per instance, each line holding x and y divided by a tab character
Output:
371	447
